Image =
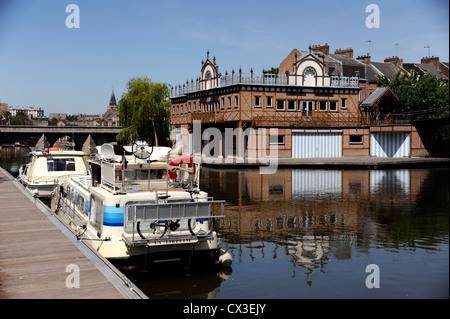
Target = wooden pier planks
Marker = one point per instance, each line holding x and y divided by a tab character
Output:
34	254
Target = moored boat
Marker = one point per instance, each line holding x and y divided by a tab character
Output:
50	167
142	205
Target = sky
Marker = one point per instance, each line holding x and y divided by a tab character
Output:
43	63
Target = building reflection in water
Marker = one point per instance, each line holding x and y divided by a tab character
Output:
310	215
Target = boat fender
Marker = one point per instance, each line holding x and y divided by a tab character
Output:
225	258
183	159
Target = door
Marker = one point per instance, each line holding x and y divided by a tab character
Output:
390	144
316	145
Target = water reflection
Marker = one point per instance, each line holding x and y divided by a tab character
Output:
181	285
311	233
11	158
316	215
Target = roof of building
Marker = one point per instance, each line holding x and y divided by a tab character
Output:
347	66
373	98
287	65
430	69
386	68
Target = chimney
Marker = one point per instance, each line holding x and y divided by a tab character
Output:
364	58
347	52
434	61
325	49
394	60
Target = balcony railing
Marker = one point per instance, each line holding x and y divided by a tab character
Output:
251	78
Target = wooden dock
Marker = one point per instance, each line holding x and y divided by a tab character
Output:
40	257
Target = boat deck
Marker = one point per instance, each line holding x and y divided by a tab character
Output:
38	254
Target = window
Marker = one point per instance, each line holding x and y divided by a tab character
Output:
223	103
229	102
60	164
236	102
344	104
80	203
307	105
276	140
333	106
291	105
356	139
310	72
323	106
269	102
96	213
280	105
257	101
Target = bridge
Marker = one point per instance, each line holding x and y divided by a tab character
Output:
48	135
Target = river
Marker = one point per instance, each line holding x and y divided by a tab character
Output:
300	234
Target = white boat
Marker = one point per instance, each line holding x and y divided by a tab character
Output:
50	167
143	209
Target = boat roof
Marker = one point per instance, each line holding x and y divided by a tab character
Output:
57	153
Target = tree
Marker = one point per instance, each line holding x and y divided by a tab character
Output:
417	93
271	71
20	119
53	122
144	111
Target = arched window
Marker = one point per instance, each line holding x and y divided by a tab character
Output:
309	77
208	79
309	72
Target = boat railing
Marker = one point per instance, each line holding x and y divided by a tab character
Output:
150	212
139	178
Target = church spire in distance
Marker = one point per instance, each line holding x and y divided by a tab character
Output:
112	100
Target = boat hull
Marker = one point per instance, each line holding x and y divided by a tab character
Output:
169	260
172	253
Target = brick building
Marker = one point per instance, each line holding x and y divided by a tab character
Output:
313	109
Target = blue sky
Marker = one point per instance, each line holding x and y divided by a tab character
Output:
45	64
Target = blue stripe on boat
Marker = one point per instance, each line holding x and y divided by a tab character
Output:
113	216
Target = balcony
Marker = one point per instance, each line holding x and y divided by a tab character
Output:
259	79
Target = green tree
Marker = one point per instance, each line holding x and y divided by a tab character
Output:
272	71
144	111
417	93
53	122
20	119
72	118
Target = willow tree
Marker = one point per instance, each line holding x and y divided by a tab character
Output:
144	112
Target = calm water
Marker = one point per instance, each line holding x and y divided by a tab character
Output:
312	233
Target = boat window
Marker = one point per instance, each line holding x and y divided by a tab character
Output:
80	203
60	164
96	213
141	174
